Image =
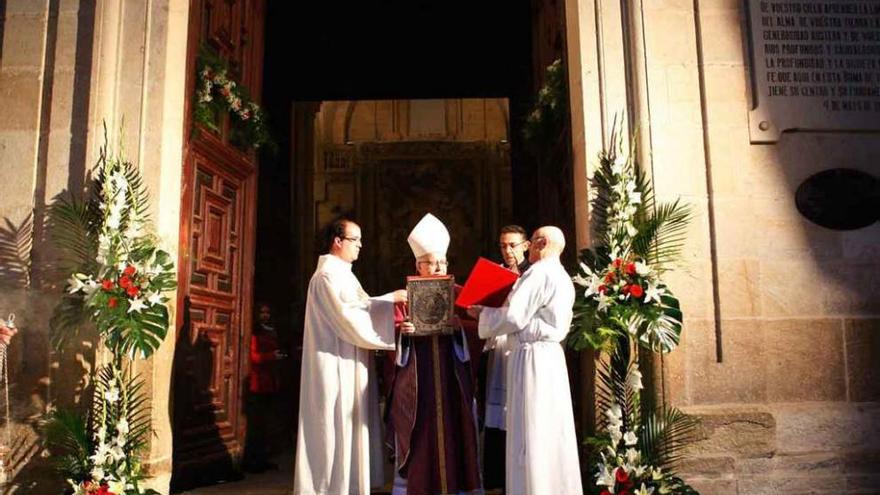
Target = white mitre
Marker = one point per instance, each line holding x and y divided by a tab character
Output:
428	236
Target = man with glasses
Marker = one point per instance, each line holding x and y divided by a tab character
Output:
513	242
431	415
541	451
338	408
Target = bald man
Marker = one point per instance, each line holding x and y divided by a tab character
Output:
541	453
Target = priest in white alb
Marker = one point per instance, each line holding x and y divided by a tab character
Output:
338	449
541	451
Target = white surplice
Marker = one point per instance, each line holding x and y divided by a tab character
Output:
339	427
541	452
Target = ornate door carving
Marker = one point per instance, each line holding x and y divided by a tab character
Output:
218	210
400	182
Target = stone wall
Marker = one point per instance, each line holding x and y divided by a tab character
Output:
781	336
67	67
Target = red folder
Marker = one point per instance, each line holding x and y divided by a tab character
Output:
488	285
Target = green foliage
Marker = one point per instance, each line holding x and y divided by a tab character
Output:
662	431
546	121
66	435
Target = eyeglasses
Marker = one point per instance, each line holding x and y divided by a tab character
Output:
536	239
437	264
511	245
352	239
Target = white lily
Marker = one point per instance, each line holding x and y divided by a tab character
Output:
117	453
629	438
632	455
642	269
116	486
644	491
634	379
653	293
122	426
74	284
606	477
112	395
97	474
136	304
604	302
618	165
154	298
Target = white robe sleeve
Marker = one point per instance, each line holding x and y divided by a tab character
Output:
368	324
524	301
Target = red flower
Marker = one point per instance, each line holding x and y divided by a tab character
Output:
621	476
104	490
636	290
112	302
605	492
625	290
132	290
107	284
129	270
617	263
124	282
609	278
630	268
602	289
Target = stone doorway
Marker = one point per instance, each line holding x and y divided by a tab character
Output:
457	126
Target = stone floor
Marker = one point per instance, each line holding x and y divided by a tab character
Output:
271	482
268	483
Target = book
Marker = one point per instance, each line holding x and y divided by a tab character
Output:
487	285
430	301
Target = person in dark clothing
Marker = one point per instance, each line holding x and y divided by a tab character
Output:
263	385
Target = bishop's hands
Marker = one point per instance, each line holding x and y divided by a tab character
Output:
408	328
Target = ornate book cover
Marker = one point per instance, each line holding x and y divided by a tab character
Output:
430	303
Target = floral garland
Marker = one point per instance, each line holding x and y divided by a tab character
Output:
121	285
217	93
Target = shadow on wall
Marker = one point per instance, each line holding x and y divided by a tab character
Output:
39	378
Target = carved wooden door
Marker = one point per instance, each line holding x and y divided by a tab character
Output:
216	258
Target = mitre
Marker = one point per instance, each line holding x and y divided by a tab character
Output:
428	236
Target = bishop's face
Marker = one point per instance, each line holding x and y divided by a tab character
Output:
431	264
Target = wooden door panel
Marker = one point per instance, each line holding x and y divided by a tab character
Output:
211	362
218	210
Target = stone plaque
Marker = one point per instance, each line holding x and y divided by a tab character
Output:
815	66
840	199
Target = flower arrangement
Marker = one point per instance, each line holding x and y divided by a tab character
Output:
120	283
623	305
217	93
623	293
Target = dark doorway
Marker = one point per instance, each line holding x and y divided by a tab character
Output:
417	50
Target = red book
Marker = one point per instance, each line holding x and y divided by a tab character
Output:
488	285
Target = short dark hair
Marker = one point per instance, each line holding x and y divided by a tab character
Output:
331	231
514	229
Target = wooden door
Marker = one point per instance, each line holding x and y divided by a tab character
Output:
218	209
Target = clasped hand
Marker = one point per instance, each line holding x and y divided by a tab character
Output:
407	327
